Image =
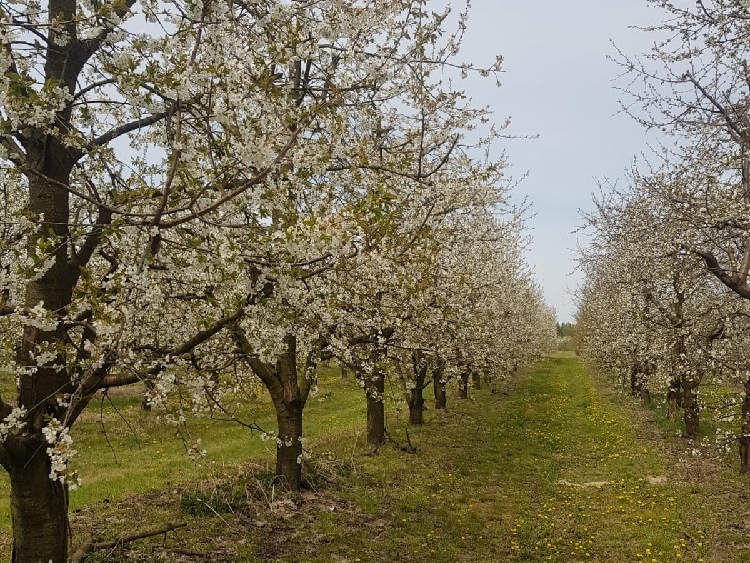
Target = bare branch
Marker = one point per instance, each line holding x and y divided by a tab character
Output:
126	128
89	546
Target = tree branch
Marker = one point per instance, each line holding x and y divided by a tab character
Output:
263	370
732	282
93	238
126	128
89	546
244	186
106	380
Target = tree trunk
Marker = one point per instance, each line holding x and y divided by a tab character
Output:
416	396
673	399
289	391
636	379
289	400
376	409
289	446
39	505
645	396
476	381
744	438
690	408
463	386
416	406
438	388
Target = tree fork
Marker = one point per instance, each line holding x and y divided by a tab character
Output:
289	396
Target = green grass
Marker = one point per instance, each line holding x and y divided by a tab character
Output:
122	450
590	497
553	467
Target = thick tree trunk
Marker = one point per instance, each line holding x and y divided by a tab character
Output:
289	391
438	388
289	447
463	386
416	406
476	381
39	506
690	408
376	410
645	396
744	439
678	352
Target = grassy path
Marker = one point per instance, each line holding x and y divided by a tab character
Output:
550	471
582	485
551	468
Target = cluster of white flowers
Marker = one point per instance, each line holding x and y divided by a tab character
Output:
196	452
40	317
13	423
60	452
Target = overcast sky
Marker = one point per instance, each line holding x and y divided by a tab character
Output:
559	84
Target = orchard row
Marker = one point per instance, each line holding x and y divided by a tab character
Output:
665	306
204	195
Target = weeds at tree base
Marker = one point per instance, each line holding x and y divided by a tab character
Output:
254	486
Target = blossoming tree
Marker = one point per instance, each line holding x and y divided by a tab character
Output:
154	156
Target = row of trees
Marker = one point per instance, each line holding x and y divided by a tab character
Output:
198	189
665	302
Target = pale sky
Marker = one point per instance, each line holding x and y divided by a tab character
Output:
559	84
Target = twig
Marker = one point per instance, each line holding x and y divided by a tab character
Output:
409	449
412	449
190	553
90	546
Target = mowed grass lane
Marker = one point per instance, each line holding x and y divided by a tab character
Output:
582	485
546	470
550	468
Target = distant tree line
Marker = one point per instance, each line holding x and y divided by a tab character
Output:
565	330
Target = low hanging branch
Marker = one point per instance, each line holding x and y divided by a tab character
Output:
89	546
